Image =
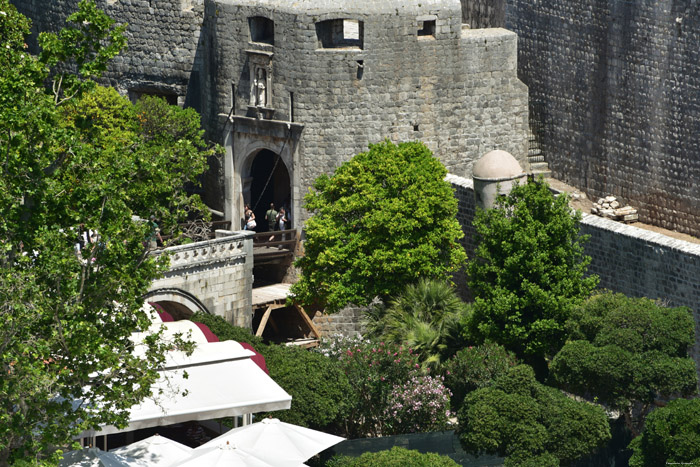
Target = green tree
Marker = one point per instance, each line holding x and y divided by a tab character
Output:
671	436
627	352
475	367
526	420
528	272
395	457
383	220
76	156
424	317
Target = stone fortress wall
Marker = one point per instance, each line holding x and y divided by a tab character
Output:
163	55
454	89
616	85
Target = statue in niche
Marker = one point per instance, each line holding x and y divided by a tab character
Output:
259	87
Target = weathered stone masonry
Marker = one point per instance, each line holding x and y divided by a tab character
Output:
617	86
163	55
455	89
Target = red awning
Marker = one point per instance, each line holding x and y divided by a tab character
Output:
257	358
211	337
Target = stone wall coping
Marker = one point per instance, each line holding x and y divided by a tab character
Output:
638	233
463	182
342	9
627	230
486	33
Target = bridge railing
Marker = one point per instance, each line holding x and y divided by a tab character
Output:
226	247
274	246
281	239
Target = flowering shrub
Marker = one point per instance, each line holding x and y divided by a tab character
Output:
420	404
373	369
336	344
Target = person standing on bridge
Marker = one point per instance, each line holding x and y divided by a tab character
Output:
282	223
250	223
270	217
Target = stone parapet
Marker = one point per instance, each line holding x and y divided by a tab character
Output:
218	272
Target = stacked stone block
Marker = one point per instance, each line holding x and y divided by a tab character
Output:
347	322
164	48
619	85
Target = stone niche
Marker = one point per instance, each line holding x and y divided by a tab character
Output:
260	66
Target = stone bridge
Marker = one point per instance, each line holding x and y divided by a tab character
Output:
213	276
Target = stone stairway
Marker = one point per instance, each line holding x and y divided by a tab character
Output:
538	166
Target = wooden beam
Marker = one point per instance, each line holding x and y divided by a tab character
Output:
307	320
263	321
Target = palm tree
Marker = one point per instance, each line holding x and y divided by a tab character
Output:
425	317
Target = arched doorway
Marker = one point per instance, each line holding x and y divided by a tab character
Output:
269	183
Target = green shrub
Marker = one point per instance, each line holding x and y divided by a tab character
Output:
317	384
627	352
528	271
384	219
671	436
475	367
424	316
373	370
523	419
226	331
395	457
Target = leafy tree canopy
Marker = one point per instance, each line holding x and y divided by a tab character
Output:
671	436
76	158
476	367
525	420
529	270
627	352
383	220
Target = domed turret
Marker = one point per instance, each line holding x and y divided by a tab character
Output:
494	175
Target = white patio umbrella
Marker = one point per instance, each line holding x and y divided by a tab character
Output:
281	444
94	457
155	450
223	454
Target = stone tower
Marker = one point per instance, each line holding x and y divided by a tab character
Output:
300	87
295	88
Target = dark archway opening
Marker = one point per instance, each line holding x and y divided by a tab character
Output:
270	184
178	311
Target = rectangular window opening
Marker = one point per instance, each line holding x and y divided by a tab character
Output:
291	106
427	28
262	30
340	33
